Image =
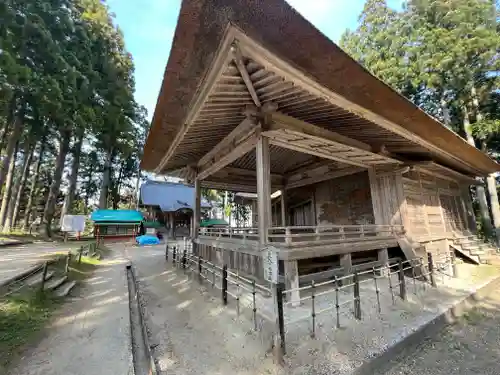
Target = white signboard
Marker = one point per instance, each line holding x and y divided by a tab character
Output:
271	264
73	223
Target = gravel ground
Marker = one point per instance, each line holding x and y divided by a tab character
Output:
91	334
188	323
470	347
189	329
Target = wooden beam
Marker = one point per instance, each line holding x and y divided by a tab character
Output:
248	172
243	128
277	140
281	121
323	177
238	59
308	166
229	154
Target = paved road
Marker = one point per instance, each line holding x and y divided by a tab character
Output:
91	333
470	347
15	259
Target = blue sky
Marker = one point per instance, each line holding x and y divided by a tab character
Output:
149	25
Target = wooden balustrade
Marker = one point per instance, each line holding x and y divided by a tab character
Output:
306	235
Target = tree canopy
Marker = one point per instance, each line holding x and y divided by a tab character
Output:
68	117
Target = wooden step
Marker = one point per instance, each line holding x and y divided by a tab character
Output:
37	279
54	284
64	290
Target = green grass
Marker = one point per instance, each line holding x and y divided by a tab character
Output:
24	314
22	318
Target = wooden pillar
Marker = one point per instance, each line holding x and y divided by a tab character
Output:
292	280
172	225
383	258
495	206
375	195
263	188
283	208
346	264
197	208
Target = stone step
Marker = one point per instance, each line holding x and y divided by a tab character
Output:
64	290
478	251
54	284
471	246
37	279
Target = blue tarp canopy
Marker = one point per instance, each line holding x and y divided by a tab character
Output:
169	196
116	216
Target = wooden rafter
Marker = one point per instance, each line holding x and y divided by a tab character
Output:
243	128
281	121
320	174
238	60
233	148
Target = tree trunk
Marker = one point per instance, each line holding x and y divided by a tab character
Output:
34	183
10	116
103	197
495	206
8	186
11	146
13	211
490	180
87	192
50	205
468	127
68	201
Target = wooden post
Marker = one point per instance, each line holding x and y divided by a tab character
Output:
44	275
292	280
263	188
197	207
68	259
264	222
200	261
280	318
346	264
224	284
431	270
402	281
383	258
453	257
357	298
80	254
283	208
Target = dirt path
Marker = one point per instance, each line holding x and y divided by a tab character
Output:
470	347
91	334
15	259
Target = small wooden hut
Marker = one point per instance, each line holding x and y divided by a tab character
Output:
116	223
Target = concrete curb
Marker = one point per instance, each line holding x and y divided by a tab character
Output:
387	359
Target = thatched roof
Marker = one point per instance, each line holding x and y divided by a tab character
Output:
275	26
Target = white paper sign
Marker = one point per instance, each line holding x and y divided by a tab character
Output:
271	264
73	223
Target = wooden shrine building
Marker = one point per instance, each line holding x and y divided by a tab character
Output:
255	99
